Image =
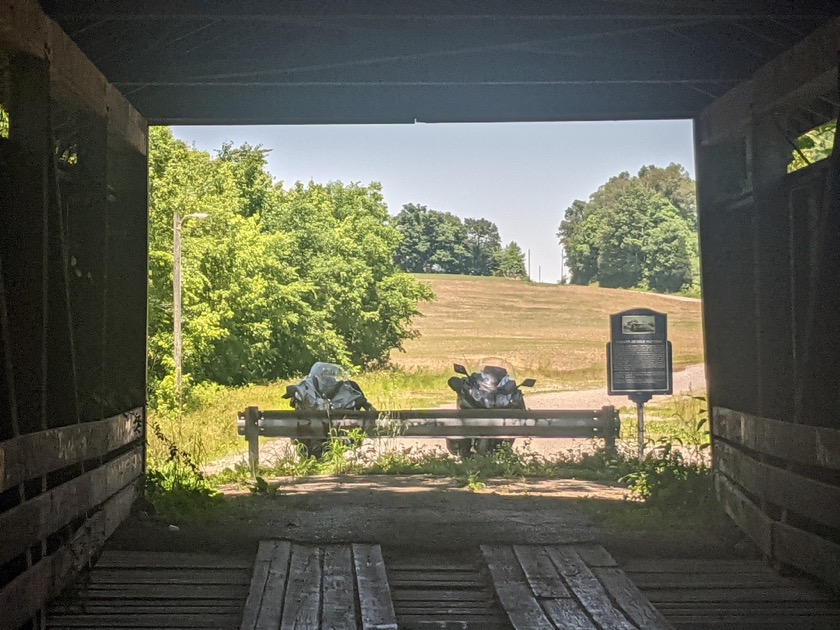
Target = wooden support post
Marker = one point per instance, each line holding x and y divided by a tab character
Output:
252	434
770	155
820	380
612	430
23	239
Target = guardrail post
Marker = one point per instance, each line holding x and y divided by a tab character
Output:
612	425
252	434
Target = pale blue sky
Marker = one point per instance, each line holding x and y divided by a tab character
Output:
522	176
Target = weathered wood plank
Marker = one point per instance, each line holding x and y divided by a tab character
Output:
814	499
34	520
104	577
162	592
302	604
267	586
169	560
513	591
595	556
809	552
28	593
439	595
670	565
630	599
94	607
339	590
37	454
540	572
377	608
752	521
200	620
798	443
587	589
747	594
568	615
24	596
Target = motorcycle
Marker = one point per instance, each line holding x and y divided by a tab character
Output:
327	387
493	387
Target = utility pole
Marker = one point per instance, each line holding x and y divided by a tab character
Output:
177	222
539	274
529	263
562	265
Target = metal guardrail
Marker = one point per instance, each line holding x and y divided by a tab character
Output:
440	423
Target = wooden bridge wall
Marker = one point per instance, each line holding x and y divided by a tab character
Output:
73	269
770	245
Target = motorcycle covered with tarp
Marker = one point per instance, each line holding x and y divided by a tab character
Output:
326	388
492	386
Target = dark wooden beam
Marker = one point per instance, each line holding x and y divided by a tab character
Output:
24	237
439	10
208	105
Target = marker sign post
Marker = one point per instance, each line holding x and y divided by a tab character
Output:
639	362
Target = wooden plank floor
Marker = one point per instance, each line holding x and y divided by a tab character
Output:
156	590
567	587
443	589
498	587
732	594
305	587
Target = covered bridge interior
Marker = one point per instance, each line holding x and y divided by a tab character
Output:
81	80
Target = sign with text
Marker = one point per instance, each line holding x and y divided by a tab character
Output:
639	353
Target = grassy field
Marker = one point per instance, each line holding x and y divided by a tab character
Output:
553	333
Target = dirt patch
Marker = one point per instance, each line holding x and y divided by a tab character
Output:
439	513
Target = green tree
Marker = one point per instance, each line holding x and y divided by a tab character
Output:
483	247
274	279
813	146
511	262
432	241
579	233
253	181
635	232
4	123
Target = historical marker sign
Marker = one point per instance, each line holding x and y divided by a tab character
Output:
639	353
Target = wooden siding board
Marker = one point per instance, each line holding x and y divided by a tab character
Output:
34	520
37	454
798	443
26	594
814	499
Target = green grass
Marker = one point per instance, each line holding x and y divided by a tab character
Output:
681	419
553	333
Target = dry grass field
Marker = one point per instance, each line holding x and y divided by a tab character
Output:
554	333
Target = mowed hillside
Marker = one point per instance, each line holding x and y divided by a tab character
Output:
554	333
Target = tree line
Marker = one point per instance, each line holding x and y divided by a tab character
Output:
635	232
440	242
276	277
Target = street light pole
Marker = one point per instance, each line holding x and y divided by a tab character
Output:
177	222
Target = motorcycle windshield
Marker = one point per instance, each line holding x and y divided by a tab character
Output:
495	371
328	370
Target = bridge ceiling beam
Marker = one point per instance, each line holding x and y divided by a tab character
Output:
560	56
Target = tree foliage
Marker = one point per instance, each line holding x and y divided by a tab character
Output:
635	232
439	242
275	278
813	146
512	262
483	247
